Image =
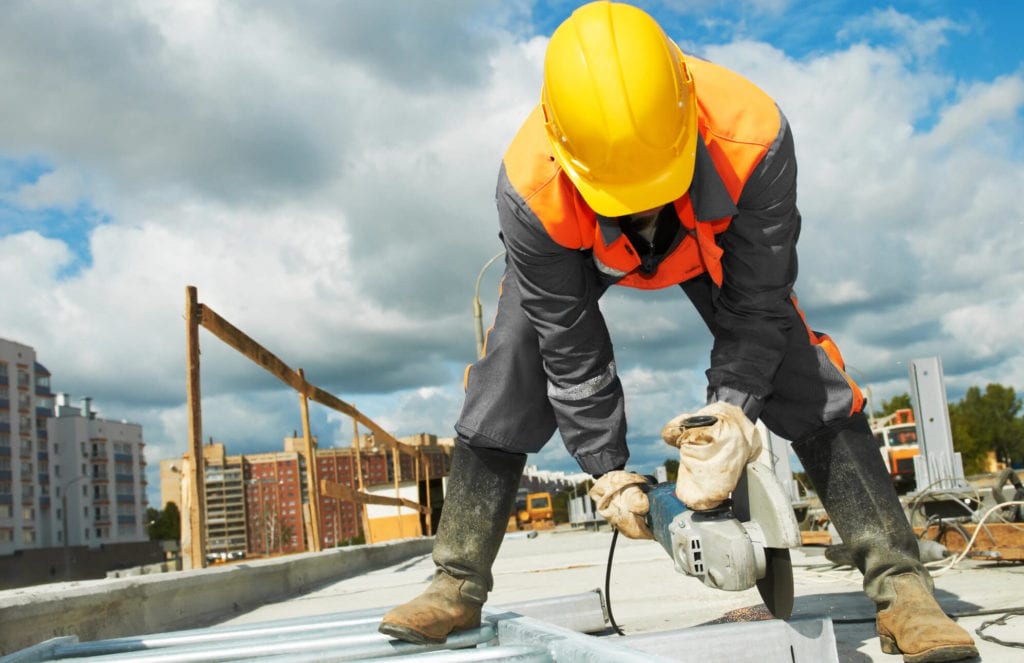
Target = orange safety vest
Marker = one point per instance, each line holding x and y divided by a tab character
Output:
738	123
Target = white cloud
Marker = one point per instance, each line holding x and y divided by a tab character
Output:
59	189
919	38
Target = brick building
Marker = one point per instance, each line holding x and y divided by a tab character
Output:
258	504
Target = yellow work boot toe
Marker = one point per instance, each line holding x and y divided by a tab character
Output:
433	615
914	625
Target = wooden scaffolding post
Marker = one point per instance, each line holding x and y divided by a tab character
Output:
194	556
363	517
430	511
396	469
312	472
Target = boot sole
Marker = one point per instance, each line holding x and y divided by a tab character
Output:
955	653
937	655
407	634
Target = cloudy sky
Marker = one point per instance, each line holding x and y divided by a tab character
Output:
323	172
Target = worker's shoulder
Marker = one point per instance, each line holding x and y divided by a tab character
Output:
529	161
534	174
731	107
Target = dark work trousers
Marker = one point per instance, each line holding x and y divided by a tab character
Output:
507	404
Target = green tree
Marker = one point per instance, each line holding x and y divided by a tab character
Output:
983	422
672	469
898	402
164	525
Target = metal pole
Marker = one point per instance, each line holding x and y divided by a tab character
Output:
64	507
478	310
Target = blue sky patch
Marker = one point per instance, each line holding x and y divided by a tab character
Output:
71	225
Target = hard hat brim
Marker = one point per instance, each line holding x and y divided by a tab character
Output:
617	199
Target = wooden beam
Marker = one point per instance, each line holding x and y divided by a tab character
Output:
342	492
312	472
194	557
241	342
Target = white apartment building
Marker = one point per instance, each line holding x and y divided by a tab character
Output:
63	469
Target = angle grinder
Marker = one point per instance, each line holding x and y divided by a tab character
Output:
742	543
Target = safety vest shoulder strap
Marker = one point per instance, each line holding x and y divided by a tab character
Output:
533	172
738	121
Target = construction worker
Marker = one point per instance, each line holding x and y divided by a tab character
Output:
648	168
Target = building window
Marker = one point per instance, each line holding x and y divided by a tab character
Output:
6	536
28	513
28	535
5	511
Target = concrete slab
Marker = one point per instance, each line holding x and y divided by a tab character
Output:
648	596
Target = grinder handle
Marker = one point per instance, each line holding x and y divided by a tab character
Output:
700	421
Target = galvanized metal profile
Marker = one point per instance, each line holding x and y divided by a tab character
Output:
339	637
505	635
798	640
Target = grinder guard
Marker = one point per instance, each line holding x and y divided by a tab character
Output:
743	543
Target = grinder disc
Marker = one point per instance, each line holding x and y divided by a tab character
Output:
776	587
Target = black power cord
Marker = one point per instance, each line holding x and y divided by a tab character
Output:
1000	622
607	582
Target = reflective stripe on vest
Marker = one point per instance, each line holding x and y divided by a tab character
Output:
738	123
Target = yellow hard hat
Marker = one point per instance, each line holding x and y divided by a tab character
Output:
619	109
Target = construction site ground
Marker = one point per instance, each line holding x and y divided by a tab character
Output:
648	596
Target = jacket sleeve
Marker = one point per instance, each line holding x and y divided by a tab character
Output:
560	289
753	311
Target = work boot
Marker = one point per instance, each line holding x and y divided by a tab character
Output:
482	488
846	469
915	626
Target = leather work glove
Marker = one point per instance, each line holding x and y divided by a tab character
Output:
623	503
712	458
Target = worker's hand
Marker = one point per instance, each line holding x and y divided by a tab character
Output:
623	503
712	458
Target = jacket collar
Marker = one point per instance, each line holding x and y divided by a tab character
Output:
708	195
